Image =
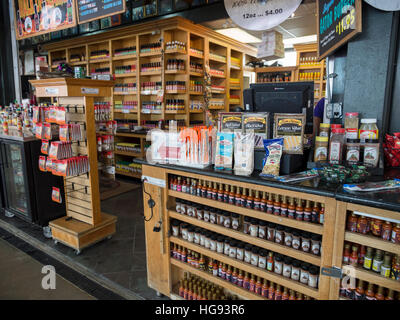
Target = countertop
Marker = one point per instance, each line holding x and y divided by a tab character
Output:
389	200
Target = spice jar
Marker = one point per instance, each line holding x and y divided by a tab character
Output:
288	237
190	209
296	240
353	151
213	242
232	249
253	227
178	205
377	227
207	240
196	239
271	232
371	153
313	277
262	229
351	125
227	220
278	265
184	205
247	253
324	129
295	275
386	231
305	242
254	256
368	259
203	237
184	231
287	267
321	149
262	259
240	251
220	244
336	146
304	275
378	261
246	225
352	223
220	217
213	215
199	210
190	234
362	225
279	234
368	130
206	214
315	244
235	221
226	246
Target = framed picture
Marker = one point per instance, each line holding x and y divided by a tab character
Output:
137	13
165	6
150	8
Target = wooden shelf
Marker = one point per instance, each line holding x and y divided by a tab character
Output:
193	93
269	245
216	59
372	241
196	111
176	51
195	55
196	74
175	111
375	278
217	76
150	54
131	135
128	174
175	71
291	284
124	57
78	63
243	293
128	154
301	225
236	68
218	92
126	75
175	92
125	93
99	60
151	73
311	67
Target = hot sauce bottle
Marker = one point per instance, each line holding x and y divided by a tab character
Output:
181	289
240	279
214	192
249	200
184	186
223	271
278	292
346	253
220	194
284	207
246	281
299	296
229	274
204	190
315	213
171	182
263	204
379	295
285	294
292	295
257	201
238	197
307	212
179	185
258	286
209	190
194	296
244	198
271	291
390	295
360	292
322	214
277	206
190	292
270	204
234	276
232	196
264	289
185	290
252	285
291	209
354	256
198	189
299	210
370	294
226	194
202	263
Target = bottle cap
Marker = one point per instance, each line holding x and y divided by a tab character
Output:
368	121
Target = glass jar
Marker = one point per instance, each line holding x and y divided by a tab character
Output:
262	259
295	275
271	232
288	237
178	205
253	227
304	275
203	237
232	249
254	256
184	205
247	253
287	267
336	146
351	125
190	234
371	153
227	220
279	234
220	217
190	209
220	244
321	149
296	240
324	129
213	215
246	225
353	151
315	244
213	242
184	227
278	265
313	277
206	214
226	246
240	251
196	239
368	130
199	209
235	221
175	228
262	229
207	240
305	242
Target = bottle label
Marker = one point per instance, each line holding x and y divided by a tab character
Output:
368	134
367	263
376	265
270	265
351	133
385	271
334	155
353	155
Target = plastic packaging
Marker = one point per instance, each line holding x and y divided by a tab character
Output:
224	151
244	153
273	154
373	186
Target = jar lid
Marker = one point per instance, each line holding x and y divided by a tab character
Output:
339	130
247	219
227	214
254	250
305	235
175	223
315	237
371	141
351	114
296	234
214	237
305	265
197	229
287	260
296	263
313	270
235	215
184	225
278	257
280	228
324	125
262	223
254	221
322	139
248	247
226	240
288	230
240	245
271	225
335	126
191	229
368	121
232	243
263	253
353	140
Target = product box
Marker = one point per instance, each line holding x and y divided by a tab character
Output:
290	126
229	121
257	122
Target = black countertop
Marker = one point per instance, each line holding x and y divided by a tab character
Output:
389	200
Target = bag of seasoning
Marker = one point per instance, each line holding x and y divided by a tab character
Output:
272	160
291	128
391	148
224	151
257	123
244	153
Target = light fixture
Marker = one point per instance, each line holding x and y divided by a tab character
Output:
296	40
239	35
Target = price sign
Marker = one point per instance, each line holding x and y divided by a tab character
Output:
260	14
386	5
338	22
89	10
36	17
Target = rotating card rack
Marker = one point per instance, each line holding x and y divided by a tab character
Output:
84	223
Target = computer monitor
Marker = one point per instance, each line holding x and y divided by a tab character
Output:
290	97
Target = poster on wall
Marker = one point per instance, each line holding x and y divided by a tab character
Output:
89	10
260	15
338	22
37	17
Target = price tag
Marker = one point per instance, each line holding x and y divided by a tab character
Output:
90	91
51	90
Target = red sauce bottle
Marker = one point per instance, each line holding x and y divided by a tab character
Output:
270	204
284	207
352	223
263	204
277	206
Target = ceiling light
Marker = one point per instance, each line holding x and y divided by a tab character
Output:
239	35
296	40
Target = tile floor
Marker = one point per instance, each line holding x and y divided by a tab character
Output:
122	258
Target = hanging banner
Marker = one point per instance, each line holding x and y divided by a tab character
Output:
89	10
338	22
260	14
386	5
36	17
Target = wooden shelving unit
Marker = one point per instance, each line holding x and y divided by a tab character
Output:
276	74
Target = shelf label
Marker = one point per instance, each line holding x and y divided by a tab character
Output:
154	181
90	90
51	90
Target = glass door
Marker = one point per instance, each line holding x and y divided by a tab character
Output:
14	179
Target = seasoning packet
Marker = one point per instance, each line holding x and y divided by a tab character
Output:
64	132
56	195
229	121
290	126
38	131
60	115
36	114
244	153
46	127
224	151
45	147
272	160
42	163
52	114
259	123
373	186
60	150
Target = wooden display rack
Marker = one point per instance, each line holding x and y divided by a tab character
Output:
84	223
277	70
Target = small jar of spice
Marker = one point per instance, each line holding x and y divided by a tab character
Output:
321	149
353	151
